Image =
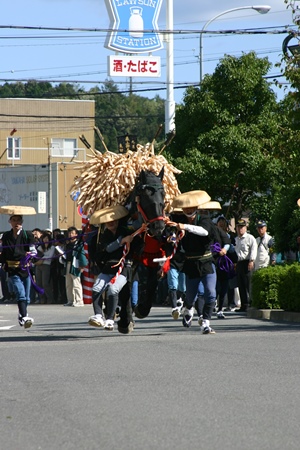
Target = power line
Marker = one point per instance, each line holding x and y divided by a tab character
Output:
266	30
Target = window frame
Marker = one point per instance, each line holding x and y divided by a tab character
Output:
13	151
60	150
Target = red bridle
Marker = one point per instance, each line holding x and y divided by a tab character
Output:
145	218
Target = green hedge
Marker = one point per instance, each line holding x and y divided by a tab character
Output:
277	287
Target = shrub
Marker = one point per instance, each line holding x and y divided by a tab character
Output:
289	289
265	285
277	287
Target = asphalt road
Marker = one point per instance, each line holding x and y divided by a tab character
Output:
66	385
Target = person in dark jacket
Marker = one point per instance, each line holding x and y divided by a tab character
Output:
76	262
200	235
175	275
114	265
18	244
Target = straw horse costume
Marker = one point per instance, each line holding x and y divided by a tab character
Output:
145	183
149	202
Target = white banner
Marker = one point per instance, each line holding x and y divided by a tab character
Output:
41	202
134	66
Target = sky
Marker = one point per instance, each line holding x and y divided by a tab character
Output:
80	56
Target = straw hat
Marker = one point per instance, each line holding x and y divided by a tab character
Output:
108	214
212	206
177	210
190	199
17	210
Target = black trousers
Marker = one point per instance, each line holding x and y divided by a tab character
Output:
243	282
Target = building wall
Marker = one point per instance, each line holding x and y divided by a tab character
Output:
38	122
38	125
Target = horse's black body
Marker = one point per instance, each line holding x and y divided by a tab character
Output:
148	199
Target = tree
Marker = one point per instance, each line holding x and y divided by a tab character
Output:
226	134
118	114
286	219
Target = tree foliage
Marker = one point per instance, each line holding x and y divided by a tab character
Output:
286	219
226	134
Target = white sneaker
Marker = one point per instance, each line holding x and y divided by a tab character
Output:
28	322
220	315
96	321
206	329
176	313
179	303
109	325
20	320
78	304
187	317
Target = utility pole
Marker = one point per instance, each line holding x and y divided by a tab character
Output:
50	218
170	103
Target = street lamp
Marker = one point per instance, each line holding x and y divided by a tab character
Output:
262	9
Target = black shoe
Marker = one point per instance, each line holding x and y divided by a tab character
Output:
241	309
126	330
141	311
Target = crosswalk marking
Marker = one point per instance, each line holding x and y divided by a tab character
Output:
8	327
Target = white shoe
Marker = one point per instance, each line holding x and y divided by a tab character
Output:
179	303
28	322
176	313
220	315
78	304
96	321
109	325
187	317
206	329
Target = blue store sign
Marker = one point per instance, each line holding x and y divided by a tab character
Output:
130	20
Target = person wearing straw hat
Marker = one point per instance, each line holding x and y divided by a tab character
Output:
219	251
113	261
198	266
18	245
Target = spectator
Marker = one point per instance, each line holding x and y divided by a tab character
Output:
58	267
265	247
58	271
223	275
76	262
46	251
37	233
246	250
34	297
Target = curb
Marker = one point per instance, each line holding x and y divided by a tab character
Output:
278	315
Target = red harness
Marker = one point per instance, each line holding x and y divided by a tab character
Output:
145	218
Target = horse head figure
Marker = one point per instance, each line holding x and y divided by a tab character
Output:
149	197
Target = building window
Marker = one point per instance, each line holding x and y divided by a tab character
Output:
63	147
13	148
